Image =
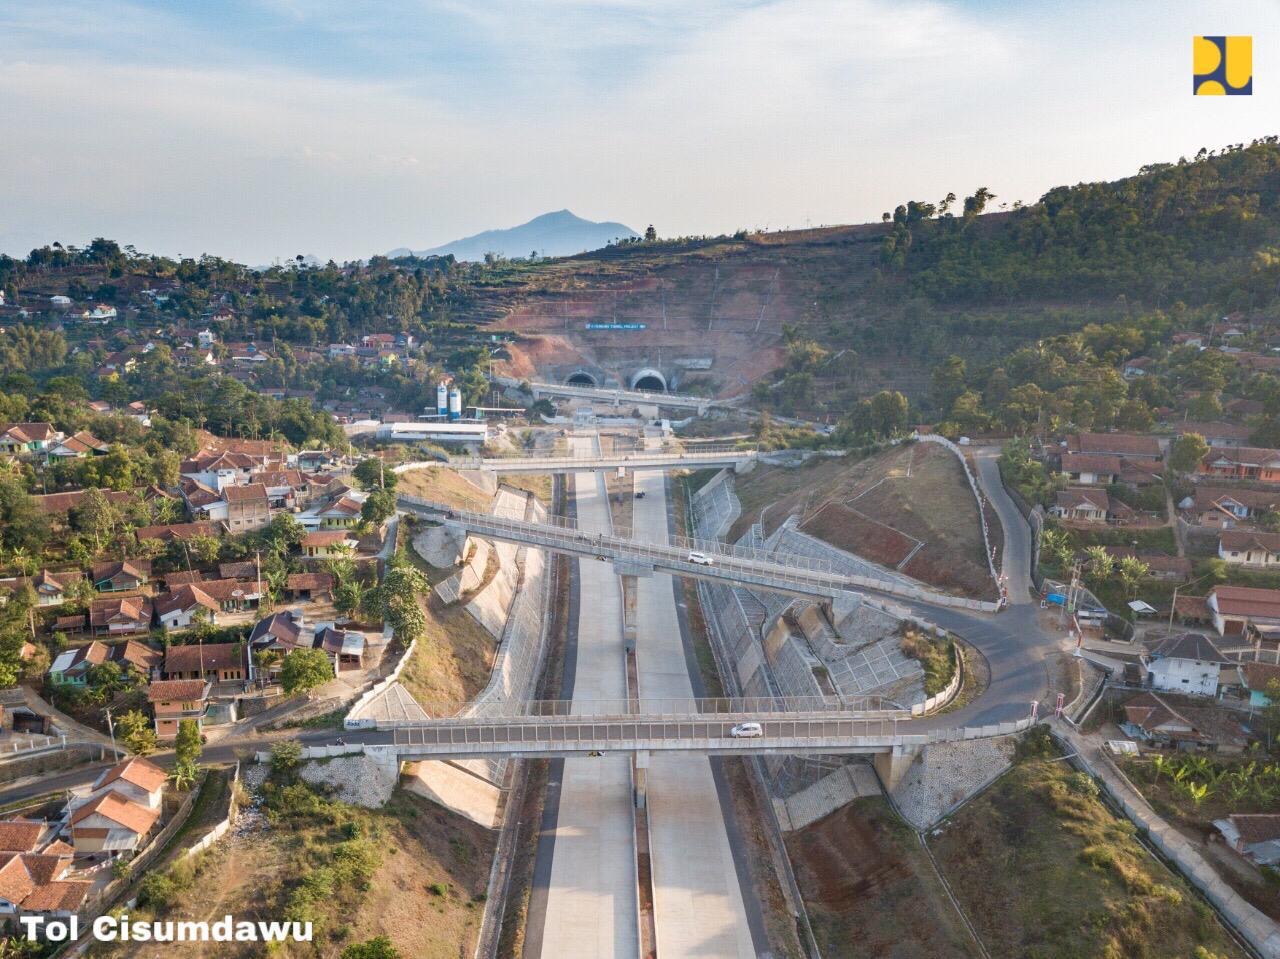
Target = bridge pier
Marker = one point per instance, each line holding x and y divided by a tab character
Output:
893	765
629	620
639	775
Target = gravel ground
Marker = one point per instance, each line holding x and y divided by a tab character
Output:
949	773
354	779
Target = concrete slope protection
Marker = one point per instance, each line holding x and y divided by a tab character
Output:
698	902
591	898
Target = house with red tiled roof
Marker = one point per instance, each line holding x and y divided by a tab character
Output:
327	543
1087	506
51	587
135	778
1226	508
19	438
21	835
120	575
247	507
1128	445
1216	433
1233	609
309	585
173	700
119	615
215	662
35	883
1255	836
110	822
72	666
181	608
1090	469
1242	547
1257	464
78	446
175	531
58	503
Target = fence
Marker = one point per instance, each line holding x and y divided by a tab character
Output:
221	829
34	744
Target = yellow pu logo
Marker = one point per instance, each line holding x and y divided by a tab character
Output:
1223	66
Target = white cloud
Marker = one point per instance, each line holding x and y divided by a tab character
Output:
697	117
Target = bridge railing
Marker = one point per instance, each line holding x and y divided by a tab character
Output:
661	734
777	563
684	707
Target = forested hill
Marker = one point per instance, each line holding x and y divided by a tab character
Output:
1201	231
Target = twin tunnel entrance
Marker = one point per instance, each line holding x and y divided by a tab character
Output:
646	380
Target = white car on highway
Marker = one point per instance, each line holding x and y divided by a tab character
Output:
747	731
699	559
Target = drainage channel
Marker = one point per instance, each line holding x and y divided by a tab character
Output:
644	861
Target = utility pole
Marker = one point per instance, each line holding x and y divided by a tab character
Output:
111	727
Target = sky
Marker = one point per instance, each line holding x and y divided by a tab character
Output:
261	129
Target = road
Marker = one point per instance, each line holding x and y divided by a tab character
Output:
591	905
698	904
1015	560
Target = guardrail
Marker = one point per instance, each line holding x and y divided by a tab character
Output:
685	706
16	750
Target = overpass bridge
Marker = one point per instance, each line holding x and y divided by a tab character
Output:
568	462
618	397
782	733
737	565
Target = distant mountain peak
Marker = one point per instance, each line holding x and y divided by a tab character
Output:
558	233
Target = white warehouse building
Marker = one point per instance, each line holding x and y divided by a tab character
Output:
435	432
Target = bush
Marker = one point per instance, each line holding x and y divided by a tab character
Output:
286	757
1082	784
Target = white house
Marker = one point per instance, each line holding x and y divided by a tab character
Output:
58	300
100	314
1242	547
1187	663
179	609
206	338
135	779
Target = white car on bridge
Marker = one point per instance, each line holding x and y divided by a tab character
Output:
747	731
699	559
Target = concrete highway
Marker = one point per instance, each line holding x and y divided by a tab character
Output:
591	896
698	903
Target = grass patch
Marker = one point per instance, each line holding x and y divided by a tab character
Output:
442	485
1045	870
539	484
451	662
330	720
936	654
870	890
